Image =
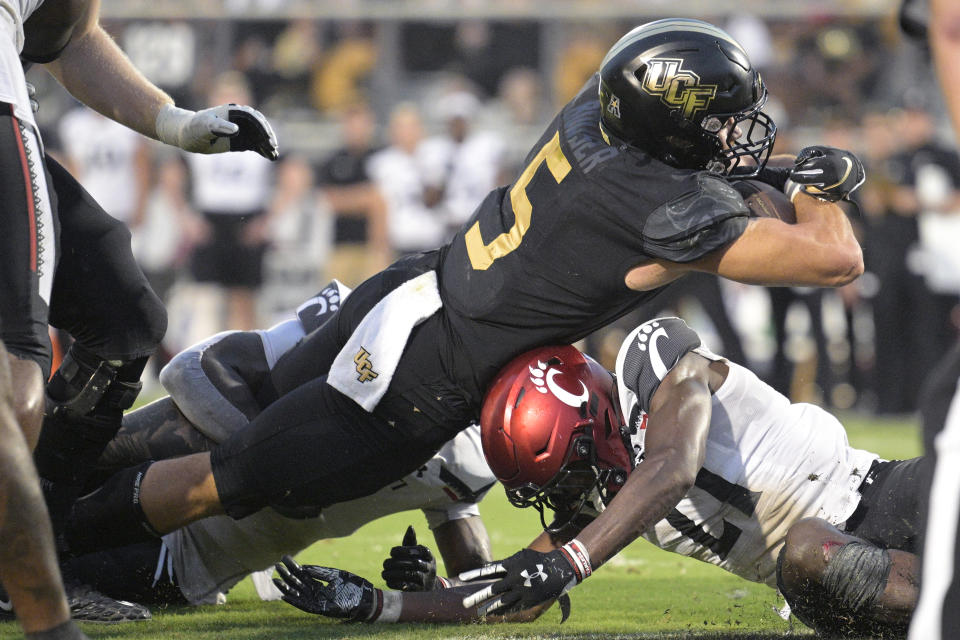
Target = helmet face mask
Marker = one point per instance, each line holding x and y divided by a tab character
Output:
551	433
579	482
665	87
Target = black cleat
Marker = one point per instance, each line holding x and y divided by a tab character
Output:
89	605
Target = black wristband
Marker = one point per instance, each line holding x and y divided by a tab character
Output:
774	176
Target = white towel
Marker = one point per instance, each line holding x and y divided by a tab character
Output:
363	369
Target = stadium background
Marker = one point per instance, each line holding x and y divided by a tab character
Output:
839	73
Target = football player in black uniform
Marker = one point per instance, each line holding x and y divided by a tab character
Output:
624	192
67	262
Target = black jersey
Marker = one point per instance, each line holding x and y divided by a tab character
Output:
543	260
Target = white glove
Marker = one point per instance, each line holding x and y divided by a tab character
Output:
229	127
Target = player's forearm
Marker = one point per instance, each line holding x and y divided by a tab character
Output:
675	448
820	250
837	258
649	496
97	73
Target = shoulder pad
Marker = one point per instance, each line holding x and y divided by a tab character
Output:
706	217
318	309
648	354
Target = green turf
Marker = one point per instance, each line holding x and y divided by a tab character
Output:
643	593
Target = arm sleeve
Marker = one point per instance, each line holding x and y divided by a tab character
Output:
647	355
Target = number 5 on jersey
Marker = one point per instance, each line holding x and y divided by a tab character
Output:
482	255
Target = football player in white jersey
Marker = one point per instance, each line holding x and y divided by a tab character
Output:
216	387
697	455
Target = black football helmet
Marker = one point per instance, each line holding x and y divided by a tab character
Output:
669	87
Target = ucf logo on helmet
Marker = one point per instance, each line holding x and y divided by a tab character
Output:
677	87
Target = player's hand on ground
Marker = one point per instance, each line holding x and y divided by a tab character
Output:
325	591
826	173
411	566
525	579
228	127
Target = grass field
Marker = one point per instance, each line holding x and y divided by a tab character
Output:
643	593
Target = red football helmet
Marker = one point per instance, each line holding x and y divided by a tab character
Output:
551	432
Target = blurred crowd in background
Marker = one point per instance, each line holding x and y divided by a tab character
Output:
392	132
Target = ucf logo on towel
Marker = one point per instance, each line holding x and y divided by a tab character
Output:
382	336
365	372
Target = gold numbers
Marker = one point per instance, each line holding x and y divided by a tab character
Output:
482	255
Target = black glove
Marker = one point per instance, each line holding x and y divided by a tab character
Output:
327	591
826	173
411	566
527	578
254	133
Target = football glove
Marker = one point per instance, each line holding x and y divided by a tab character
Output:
229	127
826	173
528	578
411	566
328	592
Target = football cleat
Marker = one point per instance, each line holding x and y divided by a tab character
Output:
88	605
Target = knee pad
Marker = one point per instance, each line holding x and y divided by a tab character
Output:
857	574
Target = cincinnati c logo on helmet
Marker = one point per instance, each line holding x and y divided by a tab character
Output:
677	87
364	366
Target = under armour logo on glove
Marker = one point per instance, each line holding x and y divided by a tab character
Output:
518	588
539	574
826	173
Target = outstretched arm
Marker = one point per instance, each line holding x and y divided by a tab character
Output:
819	250
675	446
97	73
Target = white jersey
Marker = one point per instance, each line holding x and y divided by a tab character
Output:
768	462
13	88
104	154
16	13
211	555
230	183
466	172
411	224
